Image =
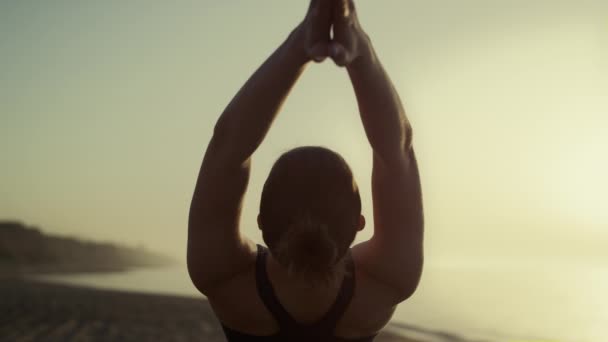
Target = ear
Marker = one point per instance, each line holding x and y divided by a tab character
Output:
361	223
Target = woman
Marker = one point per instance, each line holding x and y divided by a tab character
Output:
308	284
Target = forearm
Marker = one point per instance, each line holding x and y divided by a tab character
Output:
382	113
247	119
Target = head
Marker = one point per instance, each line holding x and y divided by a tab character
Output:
310	212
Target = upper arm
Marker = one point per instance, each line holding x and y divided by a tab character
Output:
216	249
394	255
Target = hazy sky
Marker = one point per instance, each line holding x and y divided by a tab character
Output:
107	107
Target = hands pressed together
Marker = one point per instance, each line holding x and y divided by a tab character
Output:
349	40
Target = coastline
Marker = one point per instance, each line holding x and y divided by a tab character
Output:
35	310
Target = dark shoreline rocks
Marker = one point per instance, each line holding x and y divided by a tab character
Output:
27	250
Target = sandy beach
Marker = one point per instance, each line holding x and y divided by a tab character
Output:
36	311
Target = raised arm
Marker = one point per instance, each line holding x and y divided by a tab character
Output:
216	249
394	255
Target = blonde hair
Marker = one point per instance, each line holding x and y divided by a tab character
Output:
309	254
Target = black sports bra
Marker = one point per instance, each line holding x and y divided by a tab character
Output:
289	329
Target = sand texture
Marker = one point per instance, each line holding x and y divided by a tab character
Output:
34	311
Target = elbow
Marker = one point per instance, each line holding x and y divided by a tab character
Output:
408	290
195	261
196	273
193	272
410	283
192	264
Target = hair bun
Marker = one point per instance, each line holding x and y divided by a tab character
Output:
307	250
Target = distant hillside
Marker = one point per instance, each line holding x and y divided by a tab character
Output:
28	250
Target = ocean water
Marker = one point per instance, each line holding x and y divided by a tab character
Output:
525	302
456	301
